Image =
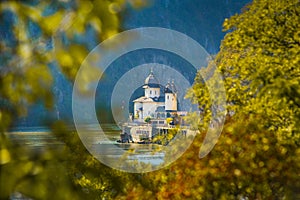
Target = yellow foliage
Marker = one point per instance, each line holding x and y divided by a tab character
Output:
4	156
26	79
50	24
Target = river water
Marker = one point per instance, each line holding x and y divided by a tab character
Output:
40	138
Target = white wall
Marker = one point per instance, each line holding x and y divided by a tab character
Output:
152	92
170	101
149	108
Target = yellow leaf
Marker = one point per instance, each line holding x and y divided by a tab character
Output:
4	156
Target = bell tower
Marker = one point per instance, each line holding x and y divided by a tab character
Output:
170	97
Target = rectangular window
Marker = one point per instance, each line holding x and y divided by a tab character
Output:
150	91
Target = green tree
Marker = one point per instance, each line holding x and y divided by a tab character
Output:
257	155
148	119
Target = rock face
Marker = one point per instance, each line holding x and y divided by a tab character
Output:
200	19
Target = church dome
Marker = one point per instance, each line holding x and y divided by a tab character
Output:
152	81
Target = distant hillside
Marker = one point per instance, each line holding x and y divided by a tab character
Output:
200	19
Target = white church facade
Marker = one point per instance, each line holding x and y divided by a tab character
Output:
159	104
158	101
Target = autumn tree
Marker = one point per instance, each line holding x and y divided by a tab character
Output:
257	155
